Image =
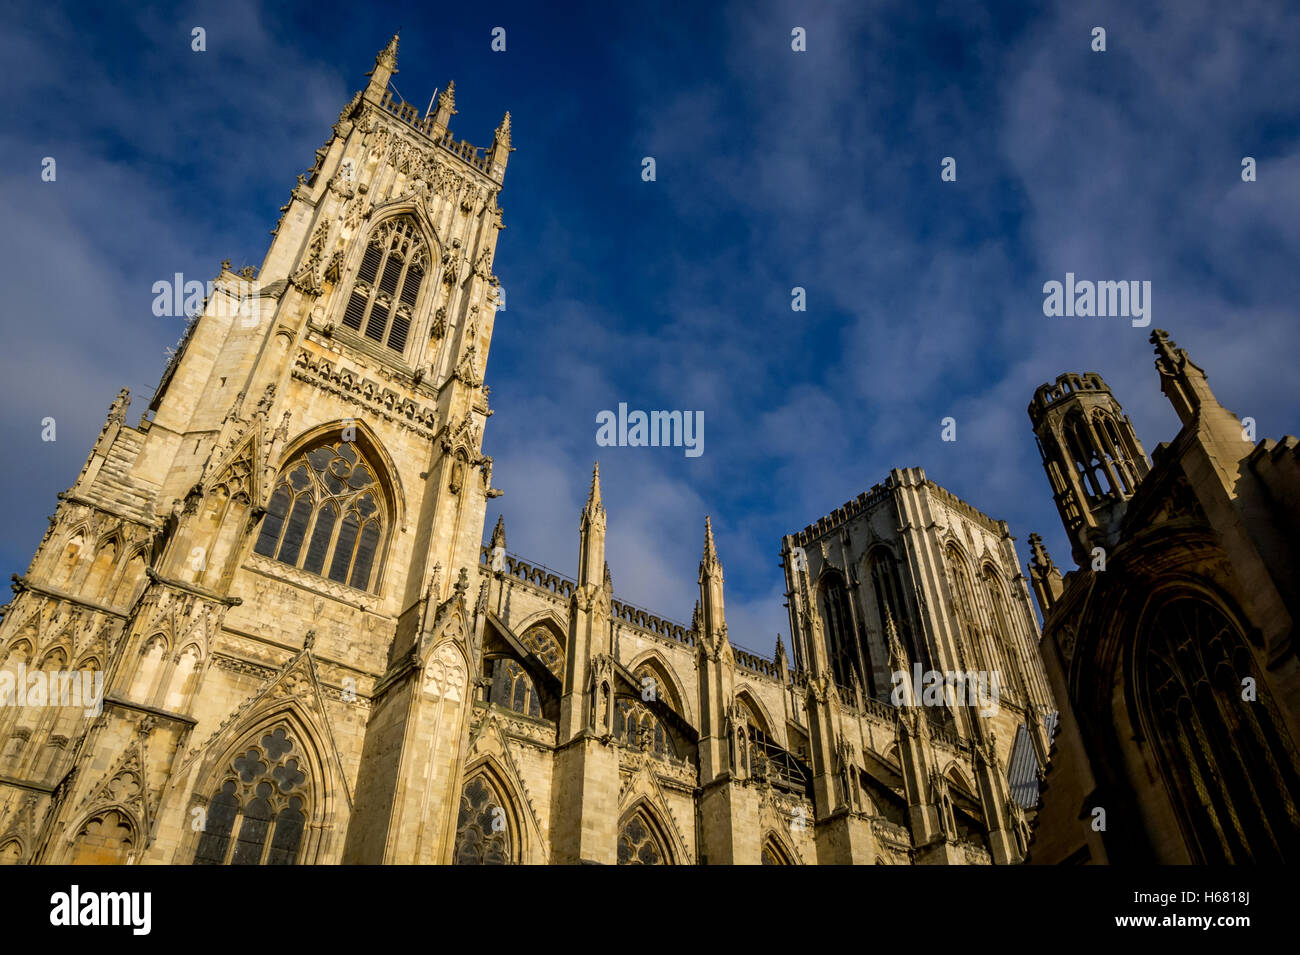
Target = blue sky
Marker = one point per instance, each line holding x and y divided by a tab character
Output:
775	169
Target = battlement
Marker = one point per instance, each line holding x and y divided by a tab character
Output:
409	114
843	514
866	501
1066	386
626	613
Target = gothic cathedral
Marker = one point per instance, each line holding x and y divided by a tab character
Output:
310	656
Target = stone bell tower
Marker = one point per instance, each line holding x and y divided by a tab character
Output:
271	569
1092	456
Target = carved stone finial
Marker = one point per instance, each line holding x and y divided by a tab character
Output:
1038	554
1167	349
447	99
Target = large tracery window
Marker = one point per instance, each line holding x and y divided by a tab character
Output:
259	813
1230	763
482	836
639	842
1008	645
388	282
327	517
964	609
890	604
544	645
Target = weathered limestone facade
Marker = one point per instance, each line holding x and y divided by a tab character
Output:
909	577
310	656
1171	649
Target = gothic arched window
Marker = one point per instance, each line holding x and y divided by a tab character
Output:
382	303
1087	457
636	726
261	803
890	604
773	854
1006	640
1230	763
513	688
106	838
753	737
327	516
101	571
838	625
1114	450
639	842
654	685
544	645
964	609
482	833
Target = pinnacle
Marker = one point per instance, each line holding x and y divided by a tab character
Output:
386	59
447	98
891	631
593	495
710	549
1037	551
503	131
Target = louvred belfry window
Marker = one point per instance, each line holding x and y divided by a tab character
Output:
388	283
327	517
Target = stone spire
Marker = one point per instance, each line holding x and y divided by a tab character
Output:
716	664
1043	575
594	503
591	555
709	563
499	533
711	604
589	648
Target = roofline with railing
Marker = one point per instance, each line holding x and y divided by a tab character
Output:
561	586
